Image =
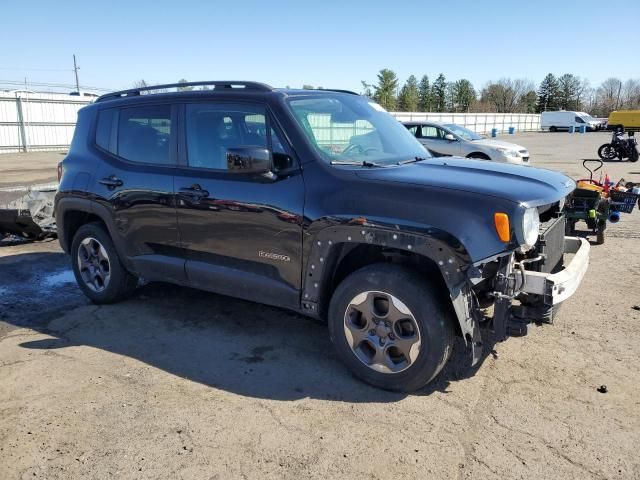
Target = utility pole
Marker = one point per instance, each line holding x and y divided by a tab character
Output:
75	70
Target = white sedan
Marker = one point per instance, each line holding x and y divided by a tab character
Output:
449	139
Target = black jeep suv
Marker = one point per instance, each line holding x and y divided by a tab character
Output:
320	202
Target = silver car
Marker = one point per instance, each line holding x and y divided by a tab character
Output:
449	139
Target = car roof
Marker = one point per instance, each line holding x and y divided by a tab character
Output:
426	122
218	89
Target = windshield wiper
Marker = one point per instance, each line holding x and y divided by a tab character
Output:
363	163
412	160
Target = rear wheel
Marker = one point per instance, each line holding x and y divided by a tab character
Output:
553	129
97	267
389	327
607	152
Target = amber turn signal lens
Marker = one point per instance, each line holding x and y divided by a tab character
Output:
502	226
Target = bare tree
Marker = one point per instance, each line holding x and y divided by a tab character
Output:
507	95
608	96
631	94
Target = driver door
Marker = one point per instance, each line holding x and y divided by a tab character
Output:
241	234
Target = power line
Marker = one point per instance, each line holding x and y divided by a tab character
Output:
53	85
37	69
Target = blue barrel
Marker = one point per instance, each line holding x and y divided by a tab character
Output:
512	130
583	129
494	132
572	129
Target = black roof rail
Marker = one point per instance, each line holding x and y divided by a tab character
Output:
338	90
217	84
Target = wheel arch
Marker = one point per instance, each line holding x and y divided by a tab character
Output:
479	155
339	250
72	213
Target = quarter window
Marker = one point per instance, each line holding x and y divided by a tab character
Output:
105	129
144	134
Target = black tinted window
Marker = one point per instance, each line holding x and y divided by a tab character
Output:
104	129
144	134
212	128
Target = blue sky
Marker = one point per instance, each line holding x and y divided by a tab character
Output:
328	43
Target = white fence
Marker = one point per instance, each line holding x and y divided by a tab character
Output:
45	121
478	122
37	121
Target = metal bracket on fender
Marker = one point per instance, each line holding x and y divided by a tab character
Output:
450	257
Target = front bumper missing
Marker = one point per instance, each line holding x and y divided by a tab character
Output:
538	292
555	288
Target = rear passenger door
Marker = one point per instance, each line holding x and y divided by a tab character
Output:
134	181
242	233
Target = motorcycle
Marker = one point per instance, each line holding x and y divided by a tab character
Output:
620	147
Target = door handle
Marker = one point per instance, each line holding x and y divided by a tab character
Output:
195	191
111	182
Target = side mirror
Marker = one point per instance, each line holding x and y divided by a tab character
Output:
248	160
450	137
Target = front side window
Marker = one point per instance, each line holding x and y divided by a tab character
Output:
464	133
213	128
351	128
579	120
144	134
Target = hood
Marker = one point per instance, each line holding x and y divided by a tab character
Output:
516	183
499	144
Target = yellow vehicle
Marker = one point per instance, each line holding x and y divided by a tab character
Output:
629	119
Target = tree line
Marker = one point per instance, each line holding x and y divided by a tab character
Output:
564	92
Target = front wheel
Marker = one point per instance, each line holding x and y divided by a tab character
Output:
390	328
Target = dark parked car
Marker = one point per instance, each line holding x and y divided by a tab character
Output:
319	202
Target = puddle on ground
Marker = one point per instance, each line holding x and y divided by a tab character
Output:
60	278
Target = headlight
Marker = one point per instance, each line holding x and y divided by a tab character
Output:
530	227
508	153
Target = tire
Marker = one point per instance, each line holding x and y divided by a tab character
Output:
97	267
634	155
607	152
553	129
478	156
570	228
416	316
600	232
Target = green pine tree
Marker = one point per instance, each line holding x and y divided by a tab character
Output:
424	94
385	90
463	95
409	97
439	93
548	94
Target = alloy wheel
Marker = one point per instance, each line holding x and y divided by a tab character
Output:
382	332
94	265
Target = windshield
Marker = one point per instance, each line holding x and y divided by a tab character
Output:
351	128
465	133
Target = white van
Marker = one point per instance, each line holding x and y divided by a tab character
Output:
563	120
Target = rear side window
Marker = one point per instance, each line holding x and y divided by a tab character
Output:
144	134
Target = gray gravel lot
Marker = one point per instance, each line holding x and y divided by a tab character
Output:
180	384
